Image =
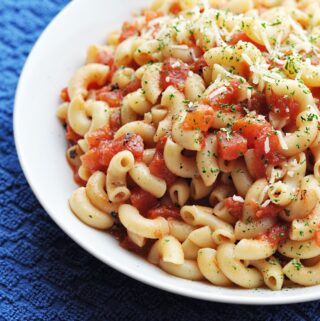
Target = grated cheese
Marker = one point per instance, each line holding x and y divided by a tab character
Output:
237	198
267	145
266	203
281	139
217	92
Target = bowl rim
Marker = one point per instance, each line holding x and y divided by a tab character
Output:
192	293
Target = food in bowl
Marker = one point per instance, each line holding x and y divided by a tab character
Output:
194	136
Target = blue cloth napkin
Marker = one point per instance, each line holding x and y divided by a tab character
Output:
44	275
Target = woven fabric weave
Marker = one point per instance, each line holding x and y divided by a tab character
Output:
44	275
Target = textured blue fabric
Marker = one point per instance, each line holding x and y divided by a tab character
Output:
44	275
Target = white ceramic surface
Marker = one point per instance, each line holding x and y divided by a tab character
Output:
41	148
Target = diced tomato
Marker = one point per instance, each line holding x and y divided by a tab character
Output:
128	30
105	58
258	103
241	36
94	139
235	208
71	135
270	155
175	8
272	210
250	127
201	119
112	98
259	167
142	200
64	95
226	101
159	168
164	211
161	143
151	15
198	65
99	157
174	72
318	237
115	120
132	86
130	142
91	161
285	106
278	233
231	145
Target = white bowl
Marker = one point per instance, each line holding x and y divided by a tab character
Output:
41	148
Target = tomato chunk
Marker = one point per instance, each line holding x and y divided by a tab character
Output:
318	237
99	157
97	136
271	210
132	86
112	97
151	15
115	120
64	95
235	208
241	36
142	200
128	30
158	166
164	211
267	145
198	65
276	234
231	145
91	161
201	119
175	8
174	72
285	107
130	142
258	103
227	100
250	127
71	135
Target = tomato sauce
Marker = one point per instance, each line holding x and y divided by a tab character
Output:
231	145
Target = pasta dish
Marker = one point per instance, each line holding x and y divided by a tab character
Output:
194	137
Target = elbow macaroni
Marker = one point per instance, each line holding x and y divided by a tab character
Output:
196	133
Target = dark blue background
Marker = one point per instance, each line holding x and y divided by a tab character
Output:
44	275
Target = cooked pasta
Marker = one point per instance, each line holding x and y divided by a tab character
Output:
194	136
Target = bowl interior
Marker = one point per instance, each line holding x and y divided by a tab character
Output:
41	148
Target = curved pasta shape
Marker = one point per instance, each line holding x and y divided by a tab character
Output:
77	116
137	239
299	249
86	212
118	168
146	131
168	249
241	178
188	270
125	50
133	221
251	249
179	192
234	270
271	271
95	190
303	275
199	215
198	189
151	82
179	229
207	161
147	51
194	87
84	76
122	77
138	102
177	163
208	265
141	175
